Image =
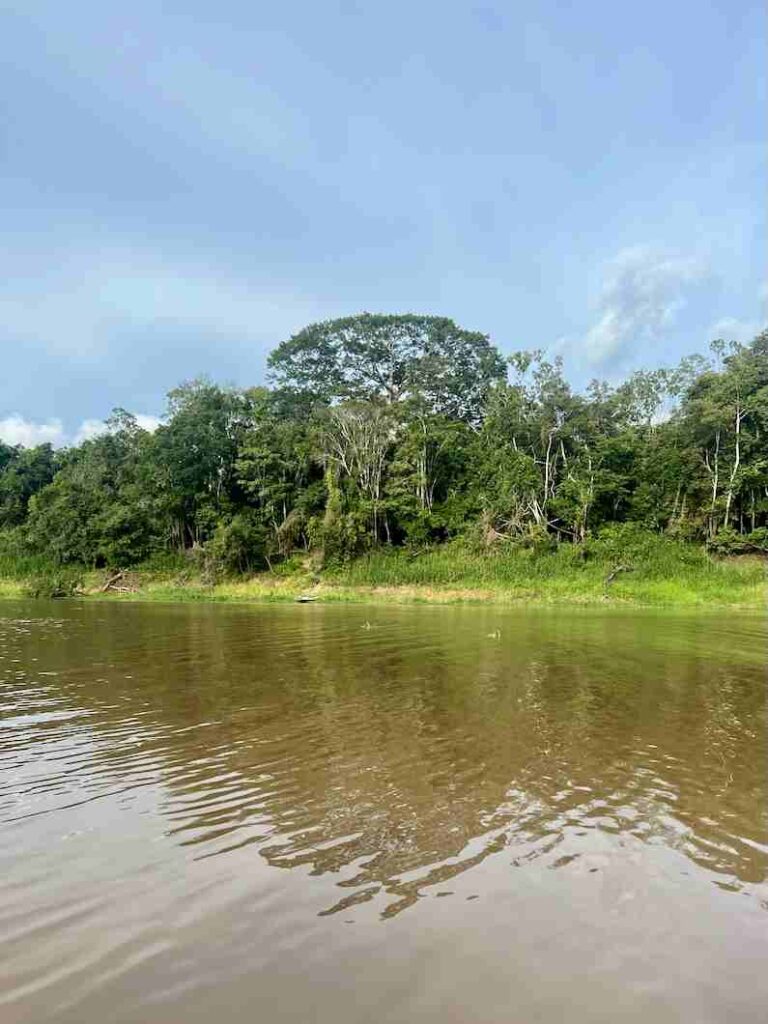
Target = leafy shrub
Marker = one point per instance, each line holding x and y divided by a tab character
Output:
237	546
290	566
341	536
649	553
61	582
729	542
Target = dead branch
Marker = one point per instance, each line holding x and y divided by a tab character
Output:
615	572
120	582
112	582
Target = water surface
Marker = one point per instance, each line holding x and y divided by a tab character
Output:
348	814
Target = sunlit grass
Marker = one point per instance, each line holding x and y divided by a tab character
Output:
11	588
658	572
664	573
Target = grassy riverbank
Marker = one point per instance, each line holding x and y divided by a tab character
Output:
644	570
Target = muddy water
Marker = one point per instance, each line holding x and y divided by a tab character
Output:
347	814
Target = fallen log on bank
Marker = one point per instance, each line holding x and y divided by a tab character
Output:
120	582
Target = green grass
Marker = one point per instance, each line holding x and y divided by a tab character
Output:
16	566
663	572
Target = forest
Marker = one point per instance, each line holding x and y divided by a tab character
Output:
405	432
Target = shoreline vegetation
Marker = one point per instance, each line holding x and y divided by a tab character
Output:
652	573
402	458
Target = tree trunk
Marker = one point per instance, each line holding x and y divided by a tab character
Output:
714	471
737	459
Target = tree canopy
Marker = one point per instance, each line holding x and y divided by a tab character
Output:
406	430
392	358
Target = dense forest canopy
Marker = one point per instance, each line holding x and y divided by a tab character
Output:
406	430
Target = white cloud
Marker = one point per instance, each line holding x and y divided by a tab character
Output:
15	430
731	329
147	422
89	429
644	290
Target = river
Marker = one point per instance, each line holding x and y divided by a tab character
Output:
381	814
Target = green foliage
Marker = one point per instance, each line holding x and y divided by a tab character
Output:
63	581
98	509
17	561
240	545
729	542
341	532
396	448
23	472
392	358
646	552
662	571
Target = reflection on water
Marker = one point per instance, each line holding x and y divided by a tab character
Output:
179	757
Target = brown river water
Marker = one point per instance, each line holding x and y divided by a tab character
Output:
381	814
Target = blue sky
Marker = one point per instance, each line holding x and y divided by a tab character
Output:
185	184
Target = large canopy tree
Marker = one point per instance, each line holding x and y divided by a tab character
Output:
392	358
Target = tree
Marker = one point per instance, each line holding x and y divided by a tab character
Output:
358	436
23	473
279	467
98	510
413	436
195	457
373	357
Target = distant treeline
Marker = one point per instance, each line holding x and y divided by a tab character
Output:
405	430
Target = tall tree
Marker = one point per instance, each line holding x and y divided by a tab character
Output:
23	472
196	453
392	358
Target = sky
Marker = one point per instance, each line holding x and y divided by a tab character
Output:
183	185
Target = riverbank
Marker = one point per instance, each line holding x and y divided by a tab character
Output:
658	575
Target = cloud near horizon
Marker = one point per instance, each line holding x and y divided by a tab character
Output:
16	430
643	292
730	328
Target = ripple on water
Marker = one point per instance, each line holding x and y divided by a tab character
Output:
155	774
